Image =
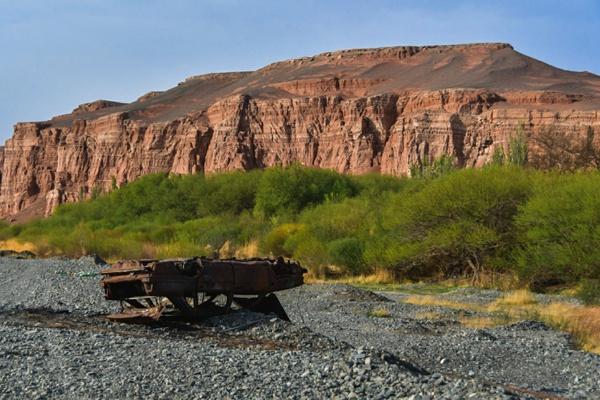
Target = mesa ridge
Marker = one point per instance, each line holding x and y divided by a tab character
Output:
355	111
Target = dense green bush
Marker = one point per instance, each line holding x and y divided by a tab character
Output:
560	229
458	224
589	291
348	253
286	191
231	193
274	242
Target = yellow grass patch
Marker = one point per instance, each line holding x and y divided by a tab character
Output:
248	250
149	250
486	280
311	277
429	300
582	322
516	298
380	276
380	312
12	244
226	251
428	315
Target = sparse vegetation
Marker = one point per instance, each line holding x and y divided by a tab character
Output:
480	322
518	150
565	150
429	315
432	300
433	169
380	313
582	322
516	298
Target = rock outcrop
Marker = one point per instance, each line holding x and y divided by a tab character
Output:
95	106
355	111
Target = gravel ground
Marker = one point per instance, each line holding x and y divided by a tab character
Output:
527	354
55	343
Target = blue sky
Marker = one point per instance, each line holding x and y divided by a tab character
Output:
57	54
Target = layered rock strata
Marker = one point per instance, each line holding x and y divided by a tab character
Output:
357	111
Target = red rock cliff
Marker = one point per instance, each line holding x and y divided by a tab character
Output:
355	111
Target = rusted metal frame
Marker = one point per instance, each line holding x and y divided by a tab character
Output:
182	279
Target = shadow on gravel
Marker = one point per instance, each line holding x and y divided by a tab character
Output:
168	329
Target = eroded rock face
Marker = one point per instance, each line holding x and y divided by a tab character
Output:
353	111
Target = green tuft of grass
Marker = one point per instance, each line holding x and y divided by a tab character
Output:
380	312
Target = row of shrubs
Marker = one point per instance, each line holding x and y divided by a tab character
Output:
543	227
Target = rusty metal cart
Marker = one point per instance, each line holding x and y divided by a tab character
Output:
197	287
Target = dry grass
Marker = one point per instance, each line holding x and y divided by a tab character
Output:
249	250
12	244
310	277
149	250
182	249
478	322
226	251
581	322
429	300
487	280
431	315
380	312
378	277
168	250
517	298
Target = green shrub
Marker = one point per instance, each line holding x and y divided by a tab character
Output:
347	252
589	291
498	157
433	169
307	249
456	224
560	229
517	148
377	184
274	242
8	231
286	191
213	231
231	193
332	221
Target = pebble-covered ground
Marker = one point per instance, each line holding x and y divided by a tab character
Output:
55	343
